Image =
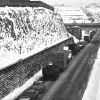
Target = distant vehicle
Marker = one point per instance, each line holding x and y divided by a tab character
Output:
92	33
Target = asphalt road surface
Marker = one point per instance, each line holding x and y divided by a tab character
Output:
81	75
92	91
73	82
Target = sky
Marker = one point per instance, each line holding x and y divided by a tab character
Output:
71	2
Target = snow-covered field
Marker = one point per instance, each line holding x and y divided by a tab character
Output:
76	15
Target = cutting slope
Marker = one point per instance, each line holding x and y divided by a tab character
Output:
26	29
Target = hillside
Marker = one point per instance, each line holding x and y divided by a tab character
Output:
93	5
26	29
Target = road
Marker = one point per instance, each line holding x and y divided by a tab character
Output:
80	81
73	82
92	91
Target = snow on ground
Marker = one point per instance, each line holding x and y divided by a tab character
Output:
94	10
92	91
72	15
27	30
77	15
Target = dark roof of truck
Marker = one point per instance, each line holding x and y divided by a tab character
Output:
24	3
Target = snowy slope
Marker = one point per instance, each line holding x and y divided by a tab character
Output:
26	30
